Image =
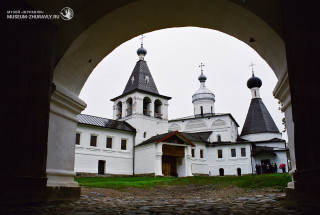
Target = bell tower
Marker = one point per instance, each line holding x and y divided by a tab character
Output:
140	104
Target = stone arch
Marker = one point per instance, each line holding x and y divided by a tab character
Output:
78	56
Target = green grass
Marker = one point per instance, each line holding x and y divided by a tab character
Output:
279	181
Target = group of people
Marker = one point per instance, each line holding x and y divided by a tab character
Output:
269	168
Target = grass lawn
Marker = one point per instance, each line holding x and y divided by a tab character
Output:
279	181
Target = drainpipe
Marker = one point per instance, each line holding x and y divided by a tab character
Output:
133	152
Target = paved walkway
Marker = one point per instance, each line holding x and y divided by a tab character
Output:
98	203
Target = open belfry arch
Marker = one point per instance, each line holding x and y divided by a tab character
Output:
67	52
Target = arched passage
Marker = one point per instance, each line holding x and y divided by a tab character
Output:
116	27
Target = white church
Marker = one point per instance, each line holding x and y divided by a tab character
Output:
141	140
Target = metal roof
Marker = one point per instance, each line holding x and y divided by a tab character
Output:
105	123
258	119
141	80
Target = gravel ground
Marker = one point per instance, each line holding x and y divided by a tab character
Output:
166	200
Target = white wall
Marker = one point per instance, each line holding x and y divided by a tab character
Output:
199	165
117	161
149	124
219	124
261	136
228	163
205	104
145	158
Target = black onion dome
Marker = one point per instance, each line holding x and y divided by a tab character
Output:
202	78
141	50
254	82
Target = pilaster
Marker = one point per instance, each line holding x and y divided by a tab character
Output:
64	108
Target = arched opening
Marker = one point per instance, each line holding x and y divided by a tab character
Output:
158	109
219	138
146	106
276	61
238	171
129	106
78	51
119	110
221	172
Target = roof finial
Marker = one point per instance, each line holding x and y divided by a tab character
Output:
202	78
251	65
201	66
141	38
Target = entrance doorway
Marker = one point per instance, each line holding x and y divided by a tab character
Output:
221	172
169	165
101	167
239	172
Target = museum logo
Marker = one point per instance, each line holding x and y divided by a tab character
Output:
66	14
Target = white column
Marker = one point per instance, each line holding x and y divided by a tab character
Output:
158	160
187	158
282	92
64	108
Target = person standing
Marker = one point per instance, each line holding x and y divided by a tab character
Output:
283	167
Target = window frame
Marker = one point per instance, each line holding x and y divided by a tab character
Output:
193	153
109	137
221	153
235	153
201	153
126	142
243	149
96	141
78	139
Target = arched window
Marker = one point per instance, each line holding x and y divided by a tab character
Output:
129	106
221	172
219	138
119	110
146	106
201	110
158	109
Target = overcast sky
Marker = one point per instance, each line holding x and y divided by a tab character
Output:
173	57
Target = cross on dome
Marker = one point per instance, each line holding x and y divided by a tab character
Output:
251	65
141	38
201	66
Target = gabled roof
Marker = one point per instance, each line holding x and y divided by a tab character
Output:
105	123
139	82
162	137
201	137
258	119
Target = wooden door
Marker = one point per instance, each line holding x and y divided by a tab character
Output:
169	165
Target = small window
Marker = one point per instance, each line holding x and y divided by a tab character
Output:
109	142
144	134
77	139
211	109
93	140
201	110
219	138
123	144
192	153
233	153
201	153
243	152
220	153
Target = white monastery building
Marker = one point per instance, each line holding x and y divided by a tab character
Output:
140	140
